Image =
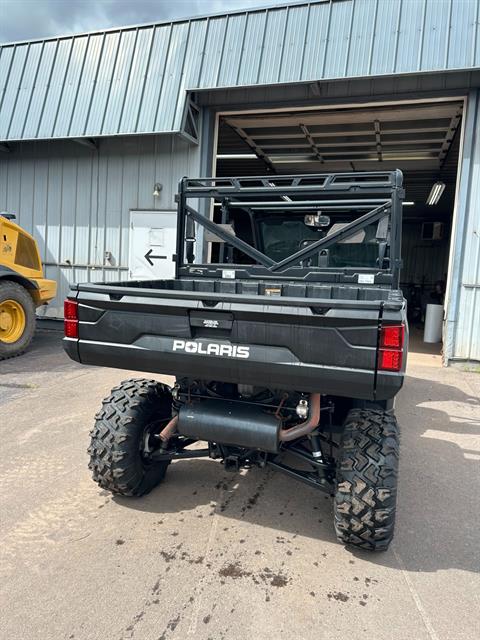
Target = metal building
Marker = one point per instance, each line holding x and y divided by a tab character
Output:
96	129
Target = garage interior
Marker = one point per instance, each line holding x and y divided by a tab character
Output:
422	139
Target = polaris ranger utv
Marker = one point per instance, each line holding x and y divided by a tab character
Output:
286	331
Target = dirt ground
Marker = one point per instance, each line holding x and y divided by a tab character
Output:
210	554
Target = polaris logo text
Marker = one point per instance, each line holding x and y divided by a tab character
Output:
212	349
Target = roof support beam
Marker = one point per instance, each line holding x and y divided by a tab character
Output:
86	142
452	129
323	148
371	153
397	128
311	142
386	115
328	131
190	121
258	151
358	156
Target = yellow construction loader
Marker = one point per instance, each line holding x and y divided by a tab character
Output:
22	287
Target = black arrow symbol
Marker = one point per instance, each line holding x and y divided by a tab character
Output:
149	258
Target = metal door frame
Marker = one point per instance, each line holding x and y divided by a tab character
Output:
209	152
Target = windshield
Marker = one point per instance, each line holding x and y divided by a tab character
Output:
282	237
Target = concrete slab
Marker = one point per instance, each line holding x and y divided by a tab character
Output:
422	353
215	555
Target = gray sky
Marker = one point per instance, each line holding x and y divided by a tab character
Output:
25	19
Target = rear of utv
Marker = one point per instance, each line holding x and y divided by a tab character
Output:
286	332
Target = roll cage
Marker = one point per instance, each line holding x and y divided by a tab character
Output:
375	196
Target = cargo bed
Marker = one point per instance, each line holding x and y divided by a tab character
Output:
299	336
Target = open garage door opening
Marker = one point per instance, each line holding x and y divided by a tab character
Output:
422	139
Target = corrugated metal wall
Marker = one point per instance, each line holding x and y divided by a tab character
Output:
463	313
134	80
76	200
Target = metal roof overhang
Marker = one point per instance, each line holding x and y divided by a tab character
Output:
135	80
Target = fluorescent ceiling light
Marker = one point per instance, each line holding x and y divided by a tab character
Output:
436	192
236	156
408	204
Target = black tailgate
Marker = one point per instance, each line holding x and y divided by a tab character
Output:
329	346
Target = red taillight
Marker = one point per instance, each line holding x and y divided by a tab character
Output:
392	337
390	360
70	313
391	347
70	310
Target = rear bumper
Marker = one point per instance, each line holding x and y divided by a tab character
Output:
271	367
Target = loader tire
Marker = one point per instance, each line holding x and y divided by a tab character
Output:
135	410
17	319
366	483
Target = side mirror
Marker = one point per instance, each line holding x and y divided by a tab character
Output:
316	220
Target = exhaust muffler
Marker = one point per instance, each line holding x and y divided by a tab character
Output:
241	424
233	423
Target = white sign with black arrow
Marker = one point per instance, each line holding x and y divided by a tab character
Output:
152	244
149	257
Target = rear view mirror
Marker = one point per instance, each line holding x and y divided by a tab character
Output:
316	220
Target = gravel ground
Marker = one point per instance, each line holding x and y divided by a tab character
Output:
218	555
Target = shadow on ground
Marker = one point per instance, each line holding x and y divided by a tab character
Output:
44	355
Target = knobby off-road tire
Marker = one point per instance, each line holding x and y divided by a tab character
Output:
14	292
133	409
366	485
